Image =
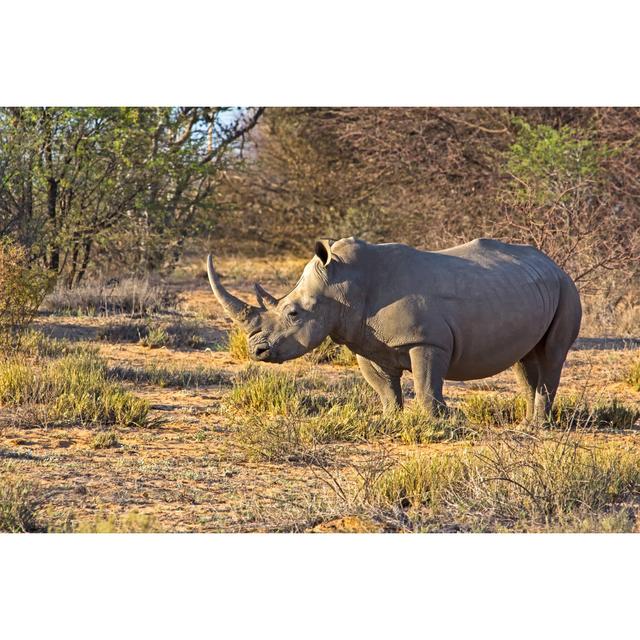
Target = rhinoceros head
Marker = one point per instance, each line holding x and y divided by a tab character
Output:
286	328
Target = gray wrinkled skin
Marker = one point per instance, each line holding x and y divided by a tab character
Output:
460	314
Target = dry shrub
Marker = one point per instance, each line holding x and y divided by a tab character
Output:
18	506
518	481
331	353
133	296
613	310
23	286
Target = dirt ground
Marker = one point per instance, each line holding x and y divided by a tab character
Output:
187	473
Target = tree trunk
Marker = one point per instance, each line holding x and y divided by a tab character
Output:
88	243
52	199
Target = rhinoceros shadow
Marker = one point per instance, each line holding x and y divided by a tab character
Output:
606	344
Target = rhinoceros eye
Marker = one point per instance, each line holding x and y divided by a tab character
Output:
292	313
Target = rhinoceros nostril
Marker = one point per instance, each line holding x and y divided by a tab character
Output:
261	350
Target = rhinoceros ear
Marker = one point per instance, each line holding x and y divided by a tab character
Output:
323	250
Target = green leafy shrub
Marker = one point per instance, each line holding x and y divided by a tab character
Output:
546	160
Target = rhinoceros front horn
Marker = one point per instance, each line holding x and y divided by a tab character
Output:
265	299
236	308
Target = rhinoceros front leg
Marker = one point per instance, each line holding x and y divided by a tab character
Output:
384	383
429	366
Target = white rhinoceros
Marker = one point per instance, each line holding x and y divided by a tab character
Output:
459	314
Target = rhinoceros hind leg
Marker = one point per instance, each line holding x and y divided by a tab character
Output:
384	383
552	350
546	391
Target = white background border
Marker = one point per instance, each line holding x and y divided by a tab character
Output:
329	53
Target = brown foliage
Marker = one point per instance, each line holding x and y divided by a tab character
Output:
433	177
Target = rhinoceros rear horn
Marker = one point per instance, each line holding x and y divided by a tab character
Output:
236	308
265	299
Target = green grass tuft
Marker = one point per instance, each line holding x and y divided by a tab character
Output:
569	412
155	338
266	392
490	409
633	375
238	344
73	389
106	440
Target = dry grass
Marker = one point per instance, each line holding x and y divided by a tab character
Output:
35	343
284	417
174	376
133	296
265	392
156	333
297	446
519	481
131	522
